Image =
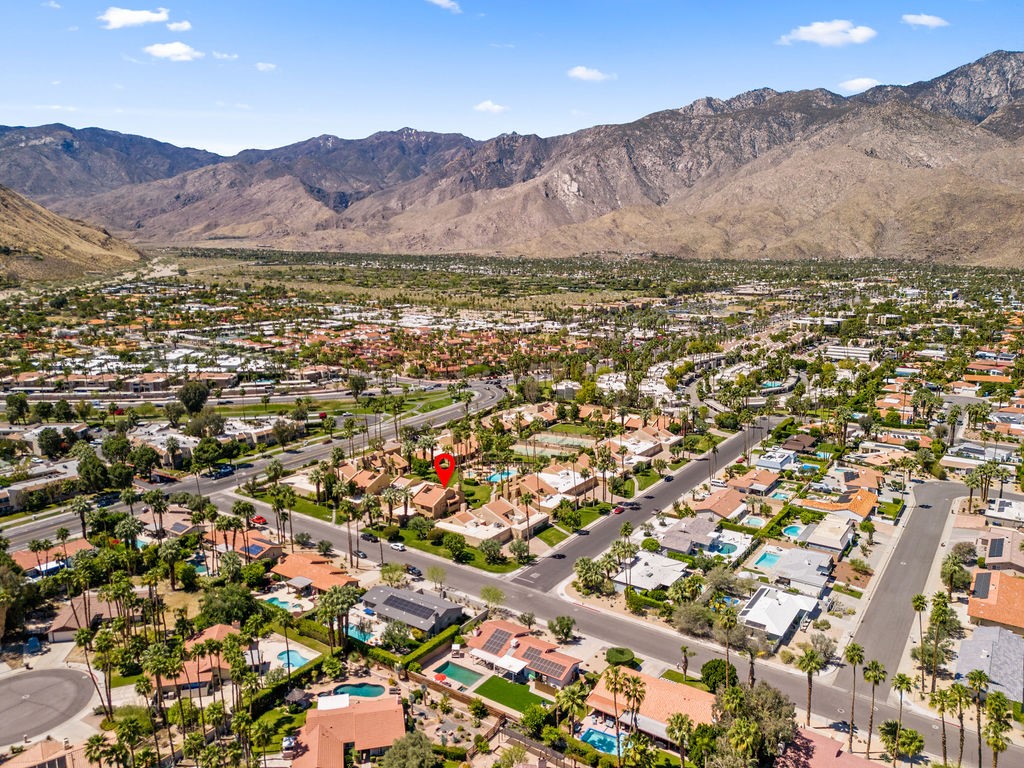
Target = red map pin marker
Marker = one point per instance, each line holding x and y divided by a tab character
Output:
444	465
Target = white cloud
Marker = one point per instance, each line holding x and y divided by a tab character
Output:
831	34
265	66
51	4
857	84
55	82
448	5
225	56
490	107
924	20
180	26
176	51
589	74
118	18
56	107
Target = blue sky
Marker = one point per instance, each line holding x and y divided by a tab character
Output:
225	75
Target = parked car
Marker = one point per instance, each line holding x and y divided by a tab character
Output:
398	546
667	478
259	520
618	510
412	570
369	537
360	554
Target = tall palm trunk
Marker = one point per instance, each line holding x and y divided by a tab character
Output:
960	720
853	703
871	722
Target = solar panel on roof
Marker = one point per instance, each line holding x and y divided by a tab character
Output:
982	583
409	607
995	548
179	527
253	549
531	653
497	641
548	667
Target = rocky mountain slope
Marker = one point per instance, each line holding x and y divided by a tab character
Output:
930	169
36	244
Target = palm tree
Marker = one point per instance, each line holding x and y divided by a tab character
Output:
130	496
919	603
973	482
874	673
679	730
960	699
571	700
810	663
96	748
684	651
998	710
635	693
977	684
744	737
129	730
83	639
902	683
728	618
854	656
615	682
261	734
941	701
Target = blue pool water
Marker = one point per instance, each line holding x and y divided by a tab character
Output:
767	559
724	549
780	495
792	530
365	690
497	477
359	634
753	521
771	385
292	660
281	603
460	674
602	742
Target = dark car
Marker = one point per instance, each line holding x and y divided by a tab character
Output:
360	554
648	496
412	570
558	556
667	478
368	537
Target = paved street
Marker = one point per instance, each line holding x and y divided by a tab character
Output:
888	619
550	571
486	396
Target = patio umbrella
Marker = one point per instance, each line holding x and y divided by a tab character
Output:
440	677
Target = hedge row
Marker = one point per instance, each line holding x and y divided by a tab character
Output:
445	636
268	698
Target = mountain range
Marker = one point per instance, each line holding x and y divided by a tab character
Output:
36	244
929	170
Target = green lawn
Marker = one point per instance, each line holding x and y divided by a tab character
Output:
674	465
282	724
628	489
590	514
552	535
476	495
890	509
116	681
842	588
647	479
572	429
677	677
304	507
514	695
472	558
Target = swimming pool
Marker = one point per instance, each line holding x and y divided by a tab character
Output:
780	495
282	604
723	549
360	634
753	521
602	742
460	674
292	659
767	560
365	690
497	477
792	530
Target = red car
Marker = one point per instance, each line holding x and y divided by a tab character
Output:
618	510
259	520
